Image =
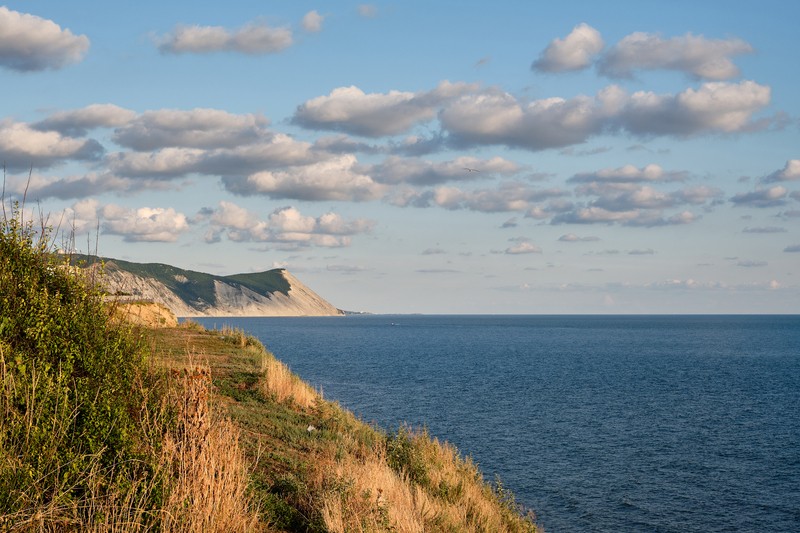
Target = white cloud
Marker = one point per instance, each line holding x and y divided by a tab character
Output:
571	237
254	39
40	187
350	110
469	117
591	215
196	128
334	179
166	163
629	174
631	217
417	171
510	196
790	172
81	217
275	151
574	52
770	197
24	147
312	22
523	246
695	55
286	225
78	122
716	107
29	43
495	117
151	224
628	195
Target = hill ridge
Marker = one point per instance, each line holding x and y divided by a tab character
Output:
190	293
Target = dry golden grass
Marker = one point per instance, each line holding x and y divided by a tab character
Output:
279	382
365	494
208	472
370	496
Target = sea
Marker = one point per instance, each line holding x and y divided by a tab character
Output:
596	423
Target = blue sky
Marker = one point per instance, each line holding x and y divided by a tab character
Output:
432	157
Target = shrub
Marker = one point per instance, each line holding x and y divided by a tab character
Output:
71	382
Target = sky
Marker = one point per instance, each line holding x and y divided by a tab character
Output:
507	157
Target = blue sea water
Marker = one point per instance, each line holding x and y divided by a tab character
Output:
597	423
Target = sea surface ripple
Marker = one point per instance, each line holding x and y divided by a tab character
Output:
597	423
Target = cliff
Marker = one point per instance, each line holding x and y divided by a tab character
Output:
191	294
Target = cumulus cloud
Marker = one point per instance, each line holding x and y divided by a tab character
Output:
571	237
716	107
167	163
196	128
344	144
522	245
574	52
286	225
695	55
30	43
336	178
510	223
350	110
394	170
24	147
496	117
510	196
78	122
790	172
770	197
81	217
312	22
628	195
493	117
253	39
631	217
40	187
276	151
629	174
151	224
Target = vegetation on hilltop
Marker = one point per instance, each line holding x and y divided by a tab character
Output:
109	427
189	285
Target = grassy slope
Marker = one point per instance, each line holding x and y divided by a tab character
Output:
315	467
105	426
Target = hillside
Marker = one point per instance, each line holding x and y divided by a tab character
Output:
191	294
107	426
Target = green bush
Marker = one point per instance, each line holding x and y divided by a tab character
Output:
72	390
404	456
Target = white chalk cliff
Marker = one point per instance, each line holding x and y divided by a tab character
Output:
193	294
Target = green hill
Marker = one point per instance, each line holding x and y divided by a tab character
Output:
189	285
